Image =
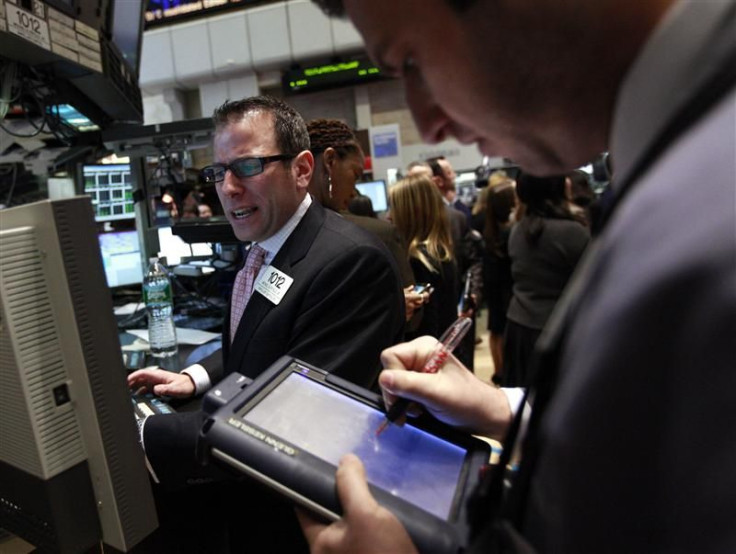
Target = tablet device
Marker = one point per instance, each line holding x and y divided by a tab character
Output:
292	424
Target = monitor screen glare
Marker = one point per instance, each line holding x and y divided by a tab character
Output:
121	256
173	248
376	191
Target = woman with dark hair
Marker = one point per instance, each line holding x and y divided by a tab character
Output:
338	165
497	283
545	246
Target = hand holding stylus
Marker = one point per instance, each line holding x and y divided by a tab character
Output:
453	395
449	340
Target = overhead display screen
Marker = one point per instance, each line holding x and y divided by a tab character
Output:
330	75
160	12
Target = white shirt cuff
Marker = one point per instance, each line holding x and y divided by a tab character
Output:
514	396
200	377
141	424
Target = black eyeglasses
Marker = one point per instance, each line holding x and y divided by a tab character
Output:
241	168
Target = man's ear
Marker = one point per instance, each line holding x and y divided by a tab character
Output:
303	167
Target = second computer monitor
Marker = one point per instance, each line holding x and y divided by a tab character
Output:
376	191
121	257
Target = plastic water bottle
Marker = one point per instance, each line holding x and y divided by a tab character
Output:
160	308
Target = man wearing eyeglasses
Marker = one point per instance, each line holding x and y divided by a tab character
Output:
326	292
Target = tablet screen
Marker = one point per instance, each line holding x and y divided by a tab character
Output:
405	461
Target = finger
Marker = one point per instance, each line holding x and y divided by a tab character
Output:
397	383
311	526
136	382
424	389
408	355
172	389
177	385
134	375
162	390
144	374
352	487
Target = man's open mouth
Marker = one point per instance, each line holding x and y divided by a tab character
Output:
242	214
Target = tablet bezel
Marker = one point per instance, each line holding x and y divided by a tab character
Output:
308	480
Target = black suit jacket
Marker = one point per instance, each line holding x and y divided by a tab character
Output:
389	235
458	228
344	307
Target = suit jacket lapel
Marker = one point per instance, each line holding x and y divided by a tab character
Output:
290	254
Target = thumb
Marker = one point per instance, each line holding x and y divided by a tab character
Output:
352	487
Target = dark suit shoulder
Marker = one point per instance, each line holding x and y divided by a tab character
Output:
387	233
372	224
350	230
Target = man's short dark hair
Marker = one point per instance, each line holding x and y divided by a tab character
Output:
291	131
434	165
336	8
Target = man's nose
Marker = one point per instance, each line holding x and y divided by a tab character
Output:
231	185
433	123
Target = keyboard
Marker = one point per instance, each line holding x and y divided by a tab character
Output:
146	405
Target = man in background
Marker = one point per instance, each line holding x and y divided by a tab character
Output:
627	448
445	176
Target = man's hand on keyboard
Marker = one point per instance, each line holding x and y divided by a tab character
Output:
161	383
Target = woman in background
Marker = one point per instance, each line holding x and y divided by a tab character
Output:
362	205
545	246
338	165
497	283
417	210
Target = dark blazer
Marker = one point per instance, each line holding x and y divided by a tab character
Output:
458	228
343	308
389	235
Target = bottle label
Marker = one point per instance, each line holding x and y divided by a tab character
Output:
157	295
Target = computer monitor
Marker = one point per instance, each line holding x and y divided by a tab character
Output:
174	248
110	186
376	191
121	258
72	472
127	31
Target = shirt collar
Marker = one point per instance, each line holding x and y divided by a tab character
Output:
273	244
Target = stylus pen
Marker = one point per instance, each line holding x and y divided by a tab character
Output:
447	343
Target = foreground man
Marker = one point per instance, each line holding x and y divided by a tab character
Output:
628	447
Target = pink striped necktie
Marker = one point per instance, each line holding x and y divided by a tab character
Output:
243	286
